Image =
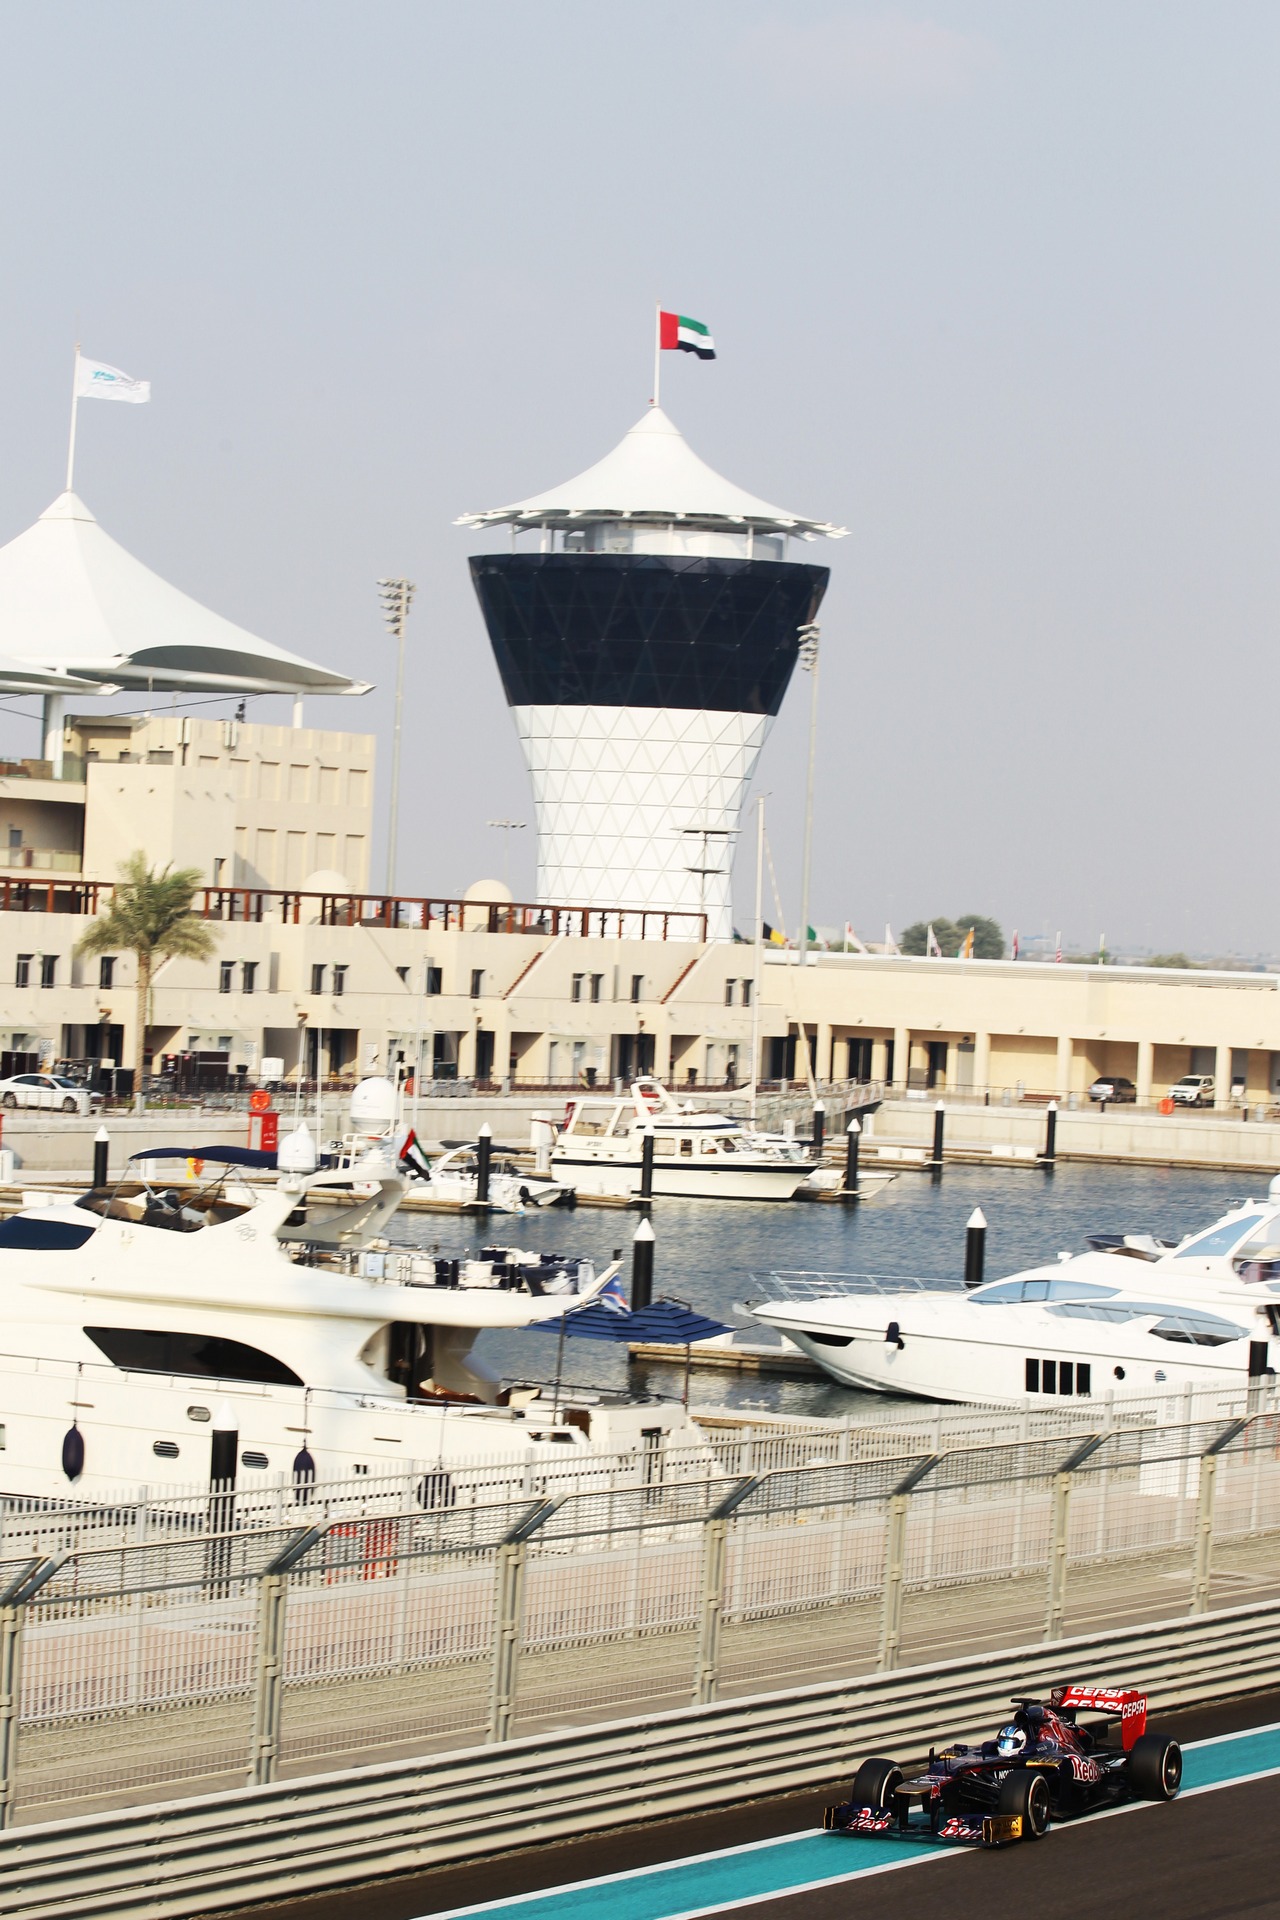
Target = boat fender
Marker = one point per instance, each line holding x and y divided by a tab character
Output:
893	1336
304	1473
73	1452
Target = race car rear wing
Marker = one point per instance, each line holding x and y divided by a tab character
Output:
1128	1705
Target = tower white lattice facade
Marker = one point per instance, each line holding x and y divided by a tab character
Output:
645	644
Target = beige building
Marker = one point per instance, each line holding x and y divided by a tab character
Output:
279	821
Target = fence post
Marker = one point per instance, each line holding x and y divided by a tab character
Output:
268	1693
509	1610
895	1551
706	1673
13	1601
1204	1514
1056	1607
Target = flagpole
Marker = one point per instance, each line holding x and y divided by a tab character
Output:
758	956
657	353
75	403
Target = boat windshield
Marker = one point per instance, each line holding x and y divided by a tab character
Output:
1002	1292
1220	1239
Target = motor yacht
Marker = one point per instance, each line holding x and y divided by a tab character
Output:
1203	1313
697	1154
144	1320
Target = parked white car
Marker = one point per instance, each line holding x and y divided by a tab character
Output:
1193	1090
49	1090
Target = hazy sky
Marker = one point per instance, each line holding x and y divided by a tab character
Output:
994	285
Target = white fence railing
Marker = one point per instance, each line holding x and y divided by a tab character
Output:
192	1654
342	1830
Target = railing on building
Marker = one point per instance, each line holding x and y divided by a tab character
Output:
336	1631
292	907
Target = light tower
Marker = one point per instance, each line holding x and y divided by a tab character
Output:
645	640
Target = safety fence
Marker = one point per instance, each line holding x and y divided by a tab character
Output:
37	1524
341	1830
194	1658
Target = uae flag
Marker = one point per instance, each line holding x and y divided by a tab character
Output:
690	336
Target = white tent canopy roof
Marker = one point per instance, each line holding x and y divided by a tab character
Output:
73	601
653	474
16	677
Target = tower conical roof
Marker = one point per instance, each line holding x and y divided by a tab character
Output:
652	474
73	601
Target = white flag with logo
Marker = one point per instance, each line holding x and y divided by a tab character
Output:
97	381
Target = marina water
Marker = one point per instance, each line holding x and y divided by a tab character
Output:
707	1252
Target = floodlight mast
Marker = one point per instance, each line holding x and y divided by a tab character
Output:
396	597
809	636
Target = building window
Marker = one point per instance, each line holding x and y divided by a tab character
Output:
402	975
477	982
226	975
248	975
317	976
746	993
435	980
339	982
48	969
575	990
107	970
597	981
22	973
729	986
637	986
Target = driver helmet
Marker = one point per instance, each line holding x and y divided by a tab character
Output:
1011	1741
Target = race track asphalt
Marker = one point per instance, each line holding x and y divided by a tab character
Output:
1209	1856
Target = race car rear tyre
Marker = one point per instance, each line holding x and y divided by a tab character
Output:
874	1783
1155	1767
1027	1793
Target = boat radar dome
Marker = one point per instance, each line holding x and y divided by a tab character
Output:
373	1106
297	1152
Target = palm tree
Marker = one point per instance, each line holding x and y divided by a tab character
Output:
150	916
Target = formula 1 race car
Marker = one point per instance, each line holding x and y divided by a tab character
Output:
1041	1766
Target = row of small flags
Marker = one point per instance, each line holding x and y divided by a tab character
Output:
774	937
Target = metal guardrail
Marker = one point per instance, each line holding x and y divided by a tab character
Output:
213	1653
322	1835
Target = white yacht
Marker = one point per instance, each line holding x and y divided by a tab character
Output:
697	1154
1204	1313
455	1176
144	1321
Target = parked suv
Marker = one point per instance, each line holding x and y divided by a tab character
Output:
1193	1090
1113	1086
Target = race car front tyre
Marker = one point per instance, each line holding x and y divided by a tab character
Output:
1026	1793
874	1783
1155	1767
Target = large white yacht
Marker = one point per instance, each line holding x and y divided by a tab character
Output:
697	1154
1132	1319
145	1320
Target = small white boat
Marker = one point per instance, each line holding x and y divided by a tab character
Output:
1205	1313
455	1176
697	1154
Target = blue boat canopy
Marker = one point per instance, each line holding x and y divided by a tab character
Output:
221	1156
664	1322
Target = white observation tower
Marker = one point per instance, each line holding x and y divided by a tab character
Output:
645	637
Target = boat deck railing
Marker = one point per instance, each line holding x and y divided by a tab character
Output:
805	1284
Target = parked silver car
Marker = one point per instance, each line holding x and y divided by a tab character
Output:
52	1091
